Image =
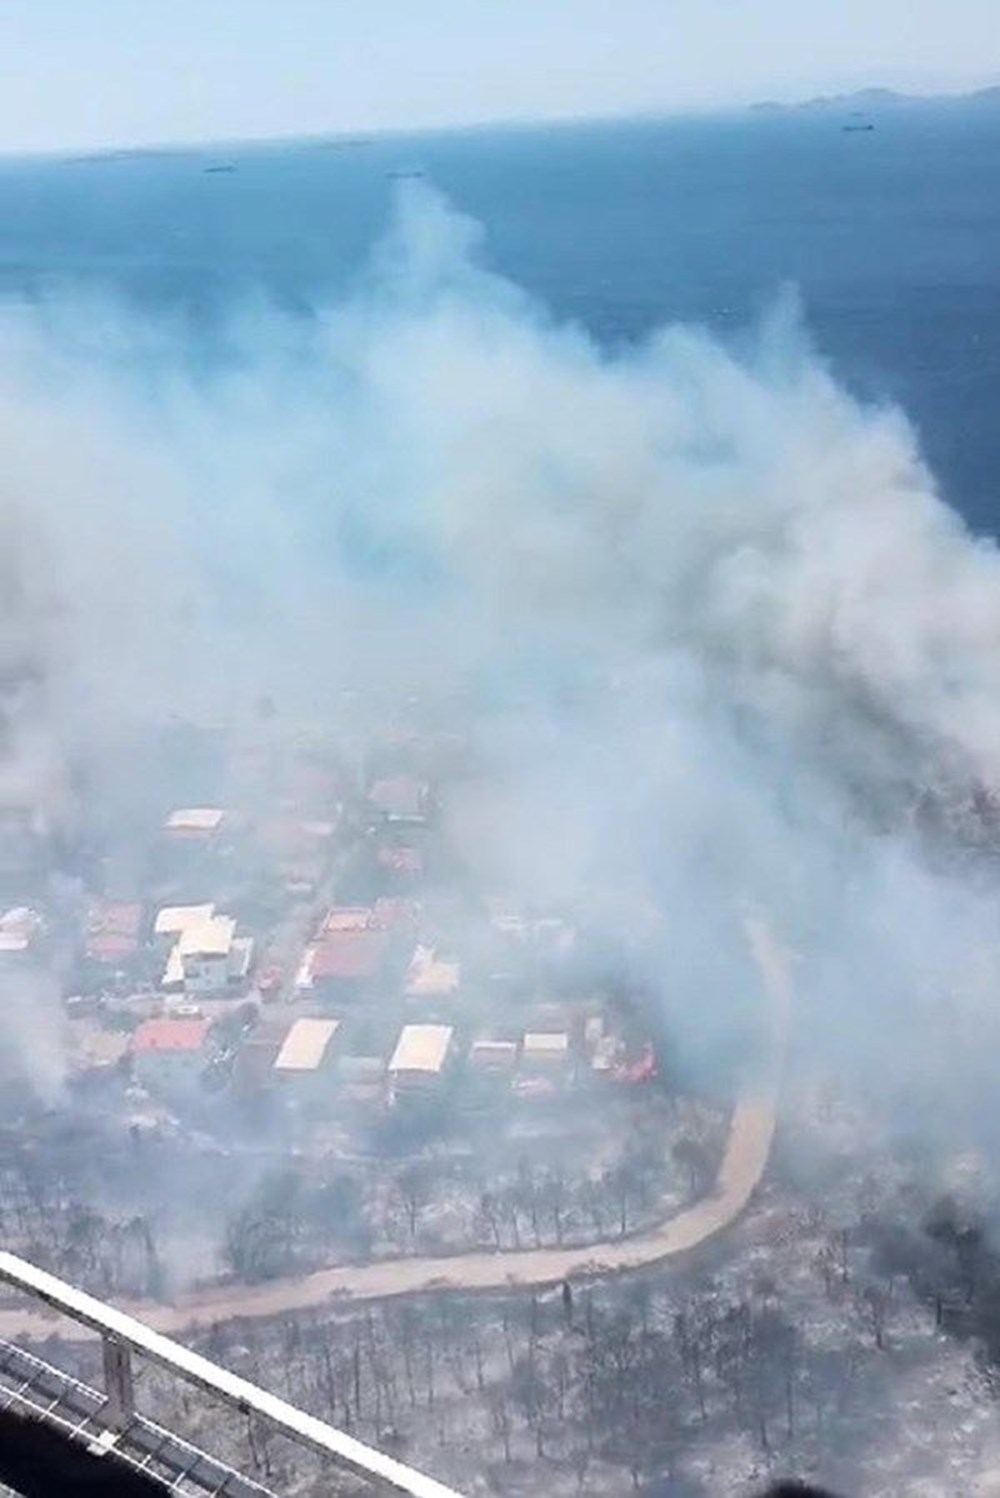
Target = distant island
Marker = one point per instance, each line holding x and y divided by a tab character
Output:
869	100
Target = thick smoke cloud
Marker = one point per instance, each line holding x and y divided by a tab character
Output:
723	641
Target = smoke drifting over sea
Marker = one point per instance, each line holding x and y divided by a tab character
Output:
729	642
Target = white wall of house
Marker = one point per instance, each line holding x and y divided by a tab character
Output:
206	973
168	1071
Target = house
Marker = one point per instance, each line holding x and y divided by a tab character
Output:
304	1058
170	1053
545	1051
344	966
298	851
206	951
346	918
420	1059
194	823
22	931
306	1045
95	1053
312	788
395	913
601	1049
604	1057
593	1033
493	1055
173	974
400	866
206	956
400	799
173	920
431	977
190	847
112	933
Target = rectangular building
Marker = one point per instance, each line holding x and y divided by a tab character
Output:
421	1056
346	918
493	1055
170	1053
173	920
545	1050
400	799
206	950
431	977
307	1047
395	913
205	955
21	932
344	966
113	932
196	822
400	867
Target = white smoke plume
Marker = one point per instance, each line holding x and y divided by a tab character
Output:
724	639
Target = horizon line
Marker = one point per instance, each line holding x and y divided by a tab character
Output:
360	135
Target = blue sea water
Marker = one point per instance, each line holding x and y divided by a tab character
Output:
892	236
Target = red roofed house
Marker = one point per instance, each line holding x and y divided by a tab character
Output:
400	799
113	933
392	912
402	867
347	918
345	965
297	851
170	1052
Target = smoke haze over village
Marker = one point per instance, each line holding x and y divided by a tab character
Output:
724	634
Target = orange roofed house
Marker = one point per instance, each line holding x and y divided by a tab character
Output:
113	933
170	1053
399	867
399	799
345	966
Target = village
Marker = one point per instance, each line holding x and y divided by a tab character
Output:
304	988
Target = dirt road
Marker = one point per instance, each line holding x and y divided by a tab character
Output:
744	1161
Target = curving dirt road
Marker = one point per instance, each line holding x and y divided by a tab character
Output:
748	1147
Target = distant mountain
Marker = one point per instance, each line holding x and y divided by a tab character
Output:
871	100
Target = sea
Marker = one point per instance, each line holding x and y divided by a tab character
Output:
890	235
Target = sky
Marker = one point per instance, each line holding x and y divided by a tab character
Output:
127	72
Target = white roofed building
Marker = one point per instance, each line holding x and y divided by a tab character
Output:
306	1048
421	1057
194	821
211	937
493	1055
21	930
172	920
303	1064
205	955
545	1050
